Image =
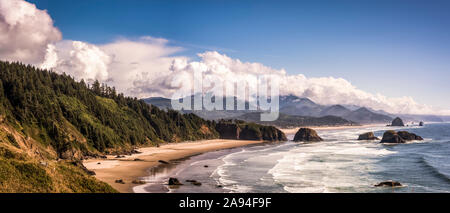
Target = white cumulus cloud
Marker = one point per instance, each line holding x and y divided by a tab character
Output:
138	66
78	59
325	90
146	66
25	31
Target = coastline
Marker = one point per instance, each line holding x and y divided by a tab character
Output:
134	167
129	169
291	131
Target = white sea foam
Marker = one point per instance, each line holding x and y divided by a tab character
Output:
327	167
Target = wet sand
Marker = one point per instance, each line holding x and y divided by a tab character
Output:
130	168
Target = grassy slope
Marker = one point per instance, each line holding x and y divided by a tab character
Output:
27	170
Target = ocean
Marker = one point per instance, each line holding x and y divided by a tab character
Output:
340	164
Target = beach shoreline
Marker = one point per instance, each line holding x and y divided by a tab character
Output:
134	167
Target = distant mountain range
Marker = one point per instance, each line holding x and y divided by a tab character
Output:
296	110
293	105
293	111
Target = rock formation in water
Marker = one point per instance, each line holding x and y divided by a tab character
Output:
407	136
397	122
174	182
421	123
399	137
368	136
307	135
392	137
389	183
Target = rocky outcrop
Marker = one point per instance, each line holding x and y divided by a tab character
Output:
407	136
120	181
163	162
270	133
397	122
249	133
139	182
240	130
194	182
392	137
228	130
399	137
421	123
307	135
368	136
389	183
174	182
79	164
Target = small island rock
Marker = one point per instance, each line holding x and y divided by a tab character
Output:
399	137
407	136
307	135
389	183
174	182
368	136
397	122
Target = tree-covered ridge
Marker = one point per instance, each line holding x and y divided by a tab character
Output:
241	130
77	119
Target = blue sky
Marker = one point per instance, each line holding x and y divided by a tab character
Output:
397	48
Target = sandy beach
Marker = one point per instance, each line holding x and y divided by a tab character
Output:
136	166
133	167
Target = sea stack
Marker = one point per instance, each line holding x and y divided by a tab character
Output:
307	135
367	136
421	123
407	136
399	137
397	122
391	136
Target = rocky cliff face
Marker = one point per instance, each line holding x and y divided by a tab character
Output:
239	130
307	135
228	130
270	133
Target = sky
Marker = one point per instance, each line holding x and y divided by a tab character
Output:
383	51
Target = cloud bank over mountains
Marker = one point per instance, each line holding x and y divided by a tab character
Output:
146	66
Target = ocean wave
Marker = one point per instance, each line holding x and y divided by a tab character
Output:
436	167
328	167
